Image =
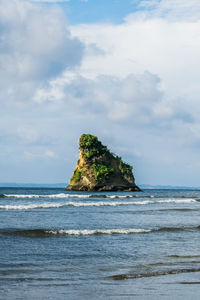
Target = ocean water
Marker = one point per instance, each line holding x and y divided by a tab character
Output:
56	244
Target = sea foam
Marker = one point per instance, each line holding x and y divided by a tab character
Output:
61	195
101	231
78	232
91	204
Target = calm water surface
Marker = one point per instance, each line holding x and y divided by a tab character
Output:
67	245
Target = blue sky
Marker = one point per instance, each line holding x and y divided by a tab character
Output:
94	11
126	71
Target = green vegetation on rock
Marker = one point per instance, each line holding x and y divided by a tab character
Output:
102	172
124	168
91	146
76	176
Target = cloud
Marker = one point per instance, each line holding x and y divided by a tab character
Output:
134	96
169	50
35	42
172	9
36	45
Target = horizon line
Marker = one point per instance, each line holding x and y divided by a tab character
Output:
63	184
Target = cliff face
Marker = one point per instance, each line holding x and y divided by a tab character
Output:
99	170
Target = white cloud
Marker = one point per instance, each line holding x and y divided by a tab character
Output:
134	96
155	45
35	44
172	9
171	50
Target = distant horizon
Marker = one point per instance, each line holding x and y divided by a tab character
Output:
63	185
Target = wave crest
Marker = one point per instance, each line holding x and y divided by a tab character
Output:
65	195
90	204
86	232
61	195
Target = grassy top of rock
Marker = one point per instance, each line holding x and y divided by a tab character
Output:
92	147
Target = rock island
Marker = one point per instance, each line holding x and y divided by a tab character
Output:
99	170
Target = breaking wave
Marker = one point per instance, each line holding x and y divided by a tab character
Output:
72	232
118	196
90	204
78	232
64	195
61	195
86	232
180	200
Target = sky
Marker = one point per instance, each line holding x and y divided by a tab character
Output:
126	71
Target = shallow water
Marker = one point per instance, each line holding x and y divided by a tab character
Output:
66	245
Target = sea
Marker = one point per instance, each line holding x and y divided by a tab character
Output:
56	244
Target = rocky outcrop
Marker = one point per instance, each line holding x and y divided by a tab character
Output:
99	170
